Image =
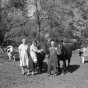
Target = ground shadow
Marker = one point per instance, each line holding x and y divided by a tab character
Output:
44	69
86	61
73	68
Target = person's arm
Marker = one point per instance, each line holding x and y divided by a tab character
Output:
35	49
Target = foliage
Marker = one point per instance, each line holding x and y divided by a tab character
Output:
58	18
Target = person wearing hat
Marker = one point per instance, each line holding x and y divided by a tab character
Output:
52	62
24	60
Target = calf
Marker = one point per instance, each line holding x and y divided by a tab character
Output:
10	53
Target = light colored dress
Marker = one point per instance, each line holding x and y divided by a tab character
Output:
83	54
24	60
33	50
84	51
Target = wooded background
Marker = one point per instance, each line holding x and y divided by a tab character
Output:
57	19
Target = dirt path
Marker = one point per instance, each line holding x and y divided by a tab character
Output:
77	77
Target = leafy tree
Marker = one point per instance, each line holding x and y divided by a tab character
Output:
55	19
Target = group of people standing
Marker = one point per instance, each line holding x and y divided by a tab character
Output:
28	57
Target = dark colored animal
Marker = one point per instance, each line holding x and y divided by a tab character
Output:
40	59
66	54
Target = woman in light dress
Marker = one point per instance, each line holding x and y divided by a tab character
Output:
24	60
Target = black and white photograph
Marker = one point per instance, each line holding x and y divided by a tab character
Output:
43	43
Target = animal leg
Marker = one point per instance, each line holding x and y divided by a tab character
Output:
9	58
64	66
68	62
59	70
40	66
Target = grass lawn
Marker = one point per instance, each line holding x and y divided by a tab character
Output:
11	77
10	73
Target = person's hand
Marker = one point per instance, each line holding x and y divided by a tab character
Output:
35	60
40	50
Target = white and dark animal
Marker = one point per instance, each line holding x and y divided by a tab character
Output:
10	52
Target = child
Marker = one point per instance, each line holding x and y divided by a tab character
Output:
52	63
82	54
24	60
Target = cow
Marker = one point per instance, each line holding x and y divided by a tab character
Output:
40	59
66	54
12	53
